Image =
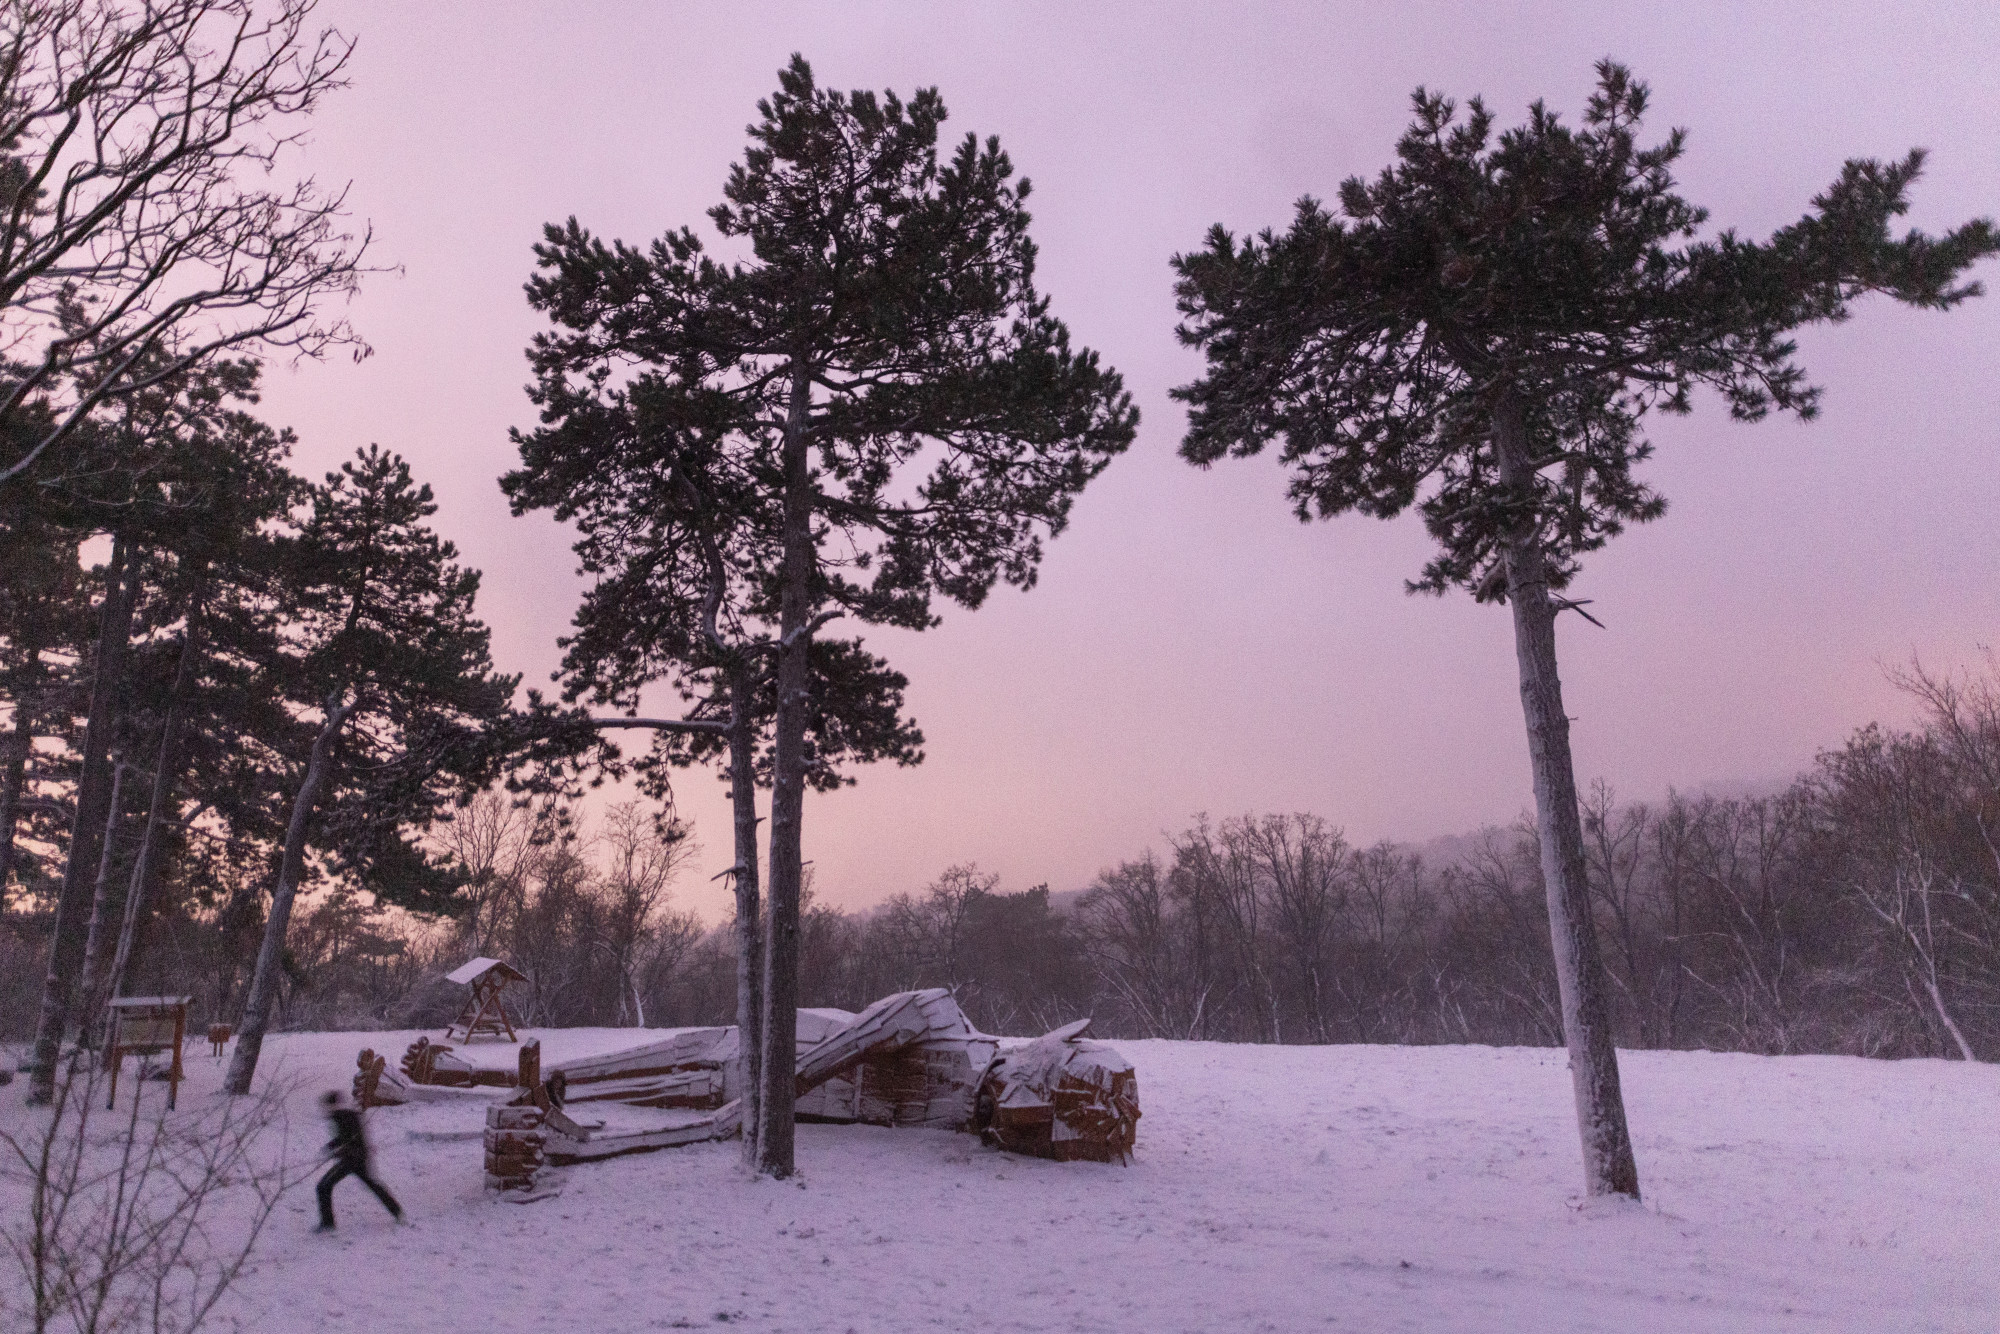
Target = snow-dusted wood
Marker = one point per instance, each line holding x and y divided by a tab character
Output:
1061	1097
513	1143
484	1012
568	1140
147	1026
910	1059
473	969
689	1069
428	1062
368	1088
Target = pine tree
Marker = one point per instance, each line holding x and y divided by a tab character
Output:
208	526
884	372
672	539
171	475
394	668
44	620
1482	337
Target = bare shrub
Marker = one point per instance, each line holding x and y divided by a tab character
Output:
141	1220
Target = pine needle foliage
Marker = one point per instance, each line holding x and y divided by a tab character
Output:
1555	260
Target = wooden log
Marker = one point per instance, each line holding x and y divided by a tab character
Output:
514	1142
514	1148
514	1118
697	1089
563	1149
693	1048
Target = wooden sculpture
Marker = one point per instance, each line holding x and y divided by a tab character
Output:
910	1059
368	1091
1061	1097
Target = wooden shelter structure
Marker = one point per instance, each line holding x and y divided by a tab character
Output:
147	1026
484	1012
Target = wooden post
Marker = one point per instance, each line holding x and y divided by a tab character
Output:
174	1071
147	1026
531	1064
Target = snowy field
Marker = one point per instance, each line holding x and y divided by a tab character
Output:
1328	1188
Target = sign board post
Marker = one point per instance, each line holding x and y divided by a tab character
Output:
146	1026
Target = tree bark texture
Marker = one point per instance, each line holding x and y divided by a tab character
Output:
775	1133
1608	1164
264	981
145	869
66	934
88	999
13	774
749	911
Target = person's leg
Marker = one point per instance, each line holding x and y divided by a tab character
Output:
326	1185
381	1192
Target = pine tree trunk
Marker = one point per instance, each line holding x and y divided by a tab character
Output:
100	915
13	774
264	981
145	870
66	935
749	909
781	940
1608	1165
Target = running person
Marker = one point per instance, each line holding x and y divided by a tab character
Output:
350	1158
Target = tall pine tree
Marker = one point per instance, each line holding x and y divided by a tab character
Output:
883	370
170	475
1481	337
389	661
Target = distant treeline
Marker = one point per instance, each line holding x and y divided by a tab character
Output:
1858	911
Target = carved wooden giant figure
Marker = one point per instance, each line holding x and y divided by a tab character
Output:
910	1059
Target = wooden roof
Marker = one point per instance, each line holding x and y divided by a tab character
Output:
473	969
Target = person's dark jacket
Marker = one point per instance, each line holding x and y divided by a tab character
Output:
347	1143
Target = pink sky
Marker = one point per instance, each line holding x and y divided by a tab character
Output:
1191	647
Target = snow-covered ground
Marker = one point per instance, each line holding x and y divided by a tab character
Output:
1276	1188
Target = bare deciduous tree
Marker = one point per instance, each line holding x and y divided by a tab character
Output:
1304	862
120	1229
1144	953
1215	870
145	219
642	855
